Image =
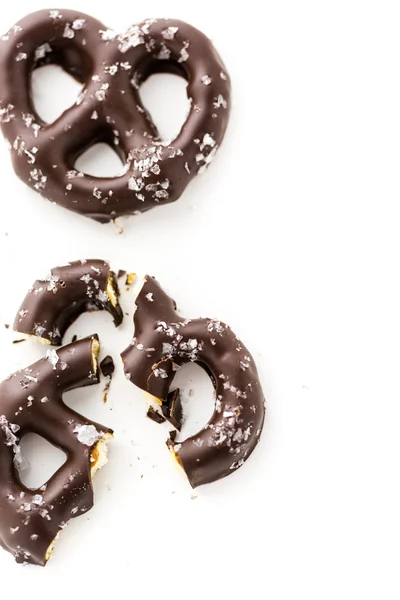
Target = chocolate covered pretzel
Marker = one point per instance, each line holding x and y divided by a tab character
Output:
163	342
52	304
31	402
112	67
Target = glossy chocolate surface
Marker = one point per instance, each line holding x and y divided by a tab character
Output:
52	304
163	342
31	402
110	110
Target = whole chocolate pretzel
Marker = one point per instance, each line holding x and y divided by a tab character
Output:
110	110
31	402
163	342
51	305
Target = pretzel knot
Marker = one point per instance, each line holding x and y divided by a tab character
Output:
112	68
31	402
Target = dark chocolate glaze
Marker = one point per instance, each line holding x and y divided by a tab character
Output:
31	402
52	304
109	109
163	342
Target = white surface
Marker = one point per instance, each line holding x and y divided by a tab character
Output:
292	237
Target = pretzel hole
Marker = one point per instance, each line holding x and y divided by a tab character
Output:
198	398
53	91
165	98
100	160
43	460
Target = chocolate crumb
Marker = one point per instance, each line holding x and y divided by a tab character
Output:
107	366
74	338
155	416
105	390
172	435
121	273
19	341
172	409
130	278
6	325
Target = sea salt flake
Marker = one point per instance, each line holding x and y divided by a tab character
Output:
87	434
208	140
13	530
167	349
55	14
214	325
53	358
6	114
220	101
100	95
130	39
206	79
94	115
149	297
97	193
42	50
107	35
78	24
68	32
164	53
44	400
135	184
111	69
102	296
169	33
160	373
39	330
21	56
161	194
184	53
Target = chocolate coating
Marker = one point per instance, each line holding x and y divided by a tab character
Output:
109	109
163	342
52	304
31	401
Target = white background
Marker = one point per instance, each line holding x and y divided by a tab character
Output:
292	237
